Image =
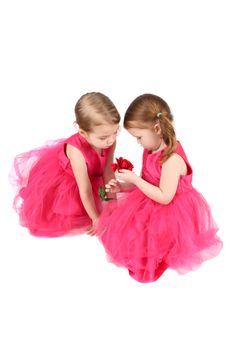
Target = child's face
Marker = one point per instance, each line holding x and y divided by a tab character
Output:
103	137
147	138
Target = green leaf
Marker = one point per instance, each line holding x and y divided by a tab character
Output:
102	194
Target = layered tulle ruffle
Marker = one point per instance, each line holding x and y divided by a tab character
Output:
47	199
147	237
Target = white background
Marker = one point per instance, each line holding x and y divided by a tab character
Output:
61	293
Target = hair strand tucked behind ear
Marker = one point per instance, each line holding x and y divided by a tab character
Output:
143	113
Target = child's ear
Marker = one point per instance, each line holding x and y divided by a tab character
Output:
157	129
82	132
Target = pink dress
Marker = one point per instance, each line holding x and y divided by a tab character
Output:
48	200
147	237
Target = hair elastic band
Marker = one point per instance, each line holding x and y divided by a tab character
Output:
158	115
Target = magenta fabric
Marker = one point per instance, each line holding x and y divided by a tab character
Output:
48	200
147	237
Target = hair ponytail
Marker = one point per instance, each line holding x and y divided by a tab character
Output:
169	136
145	111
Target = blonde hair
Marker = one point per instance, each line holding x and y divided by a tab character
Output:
148	110
93	109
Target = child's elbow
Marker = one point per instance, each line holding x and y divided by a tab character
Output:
165	200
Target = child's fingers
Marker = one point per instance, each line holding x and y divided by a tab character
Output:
112	182
90	231
107	188
110	185
112	189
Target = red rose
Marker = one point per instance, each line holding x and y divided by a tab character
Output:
122	164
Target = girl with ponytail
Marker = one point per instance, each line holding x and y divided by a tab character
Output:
163	221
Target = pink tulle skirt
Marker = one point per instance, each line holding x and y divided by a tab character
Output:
146	237
47	196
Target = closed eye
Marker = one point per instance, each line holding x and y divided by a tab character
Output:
105	137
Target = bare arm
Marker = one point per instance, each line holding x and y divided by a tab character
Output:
108	173
172	169
79	168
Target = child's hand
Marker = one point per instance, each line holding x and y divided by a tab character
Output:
112	186
126	176
92	229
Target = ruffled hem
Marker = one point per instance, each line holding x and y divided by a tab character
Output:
147	237
47	196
